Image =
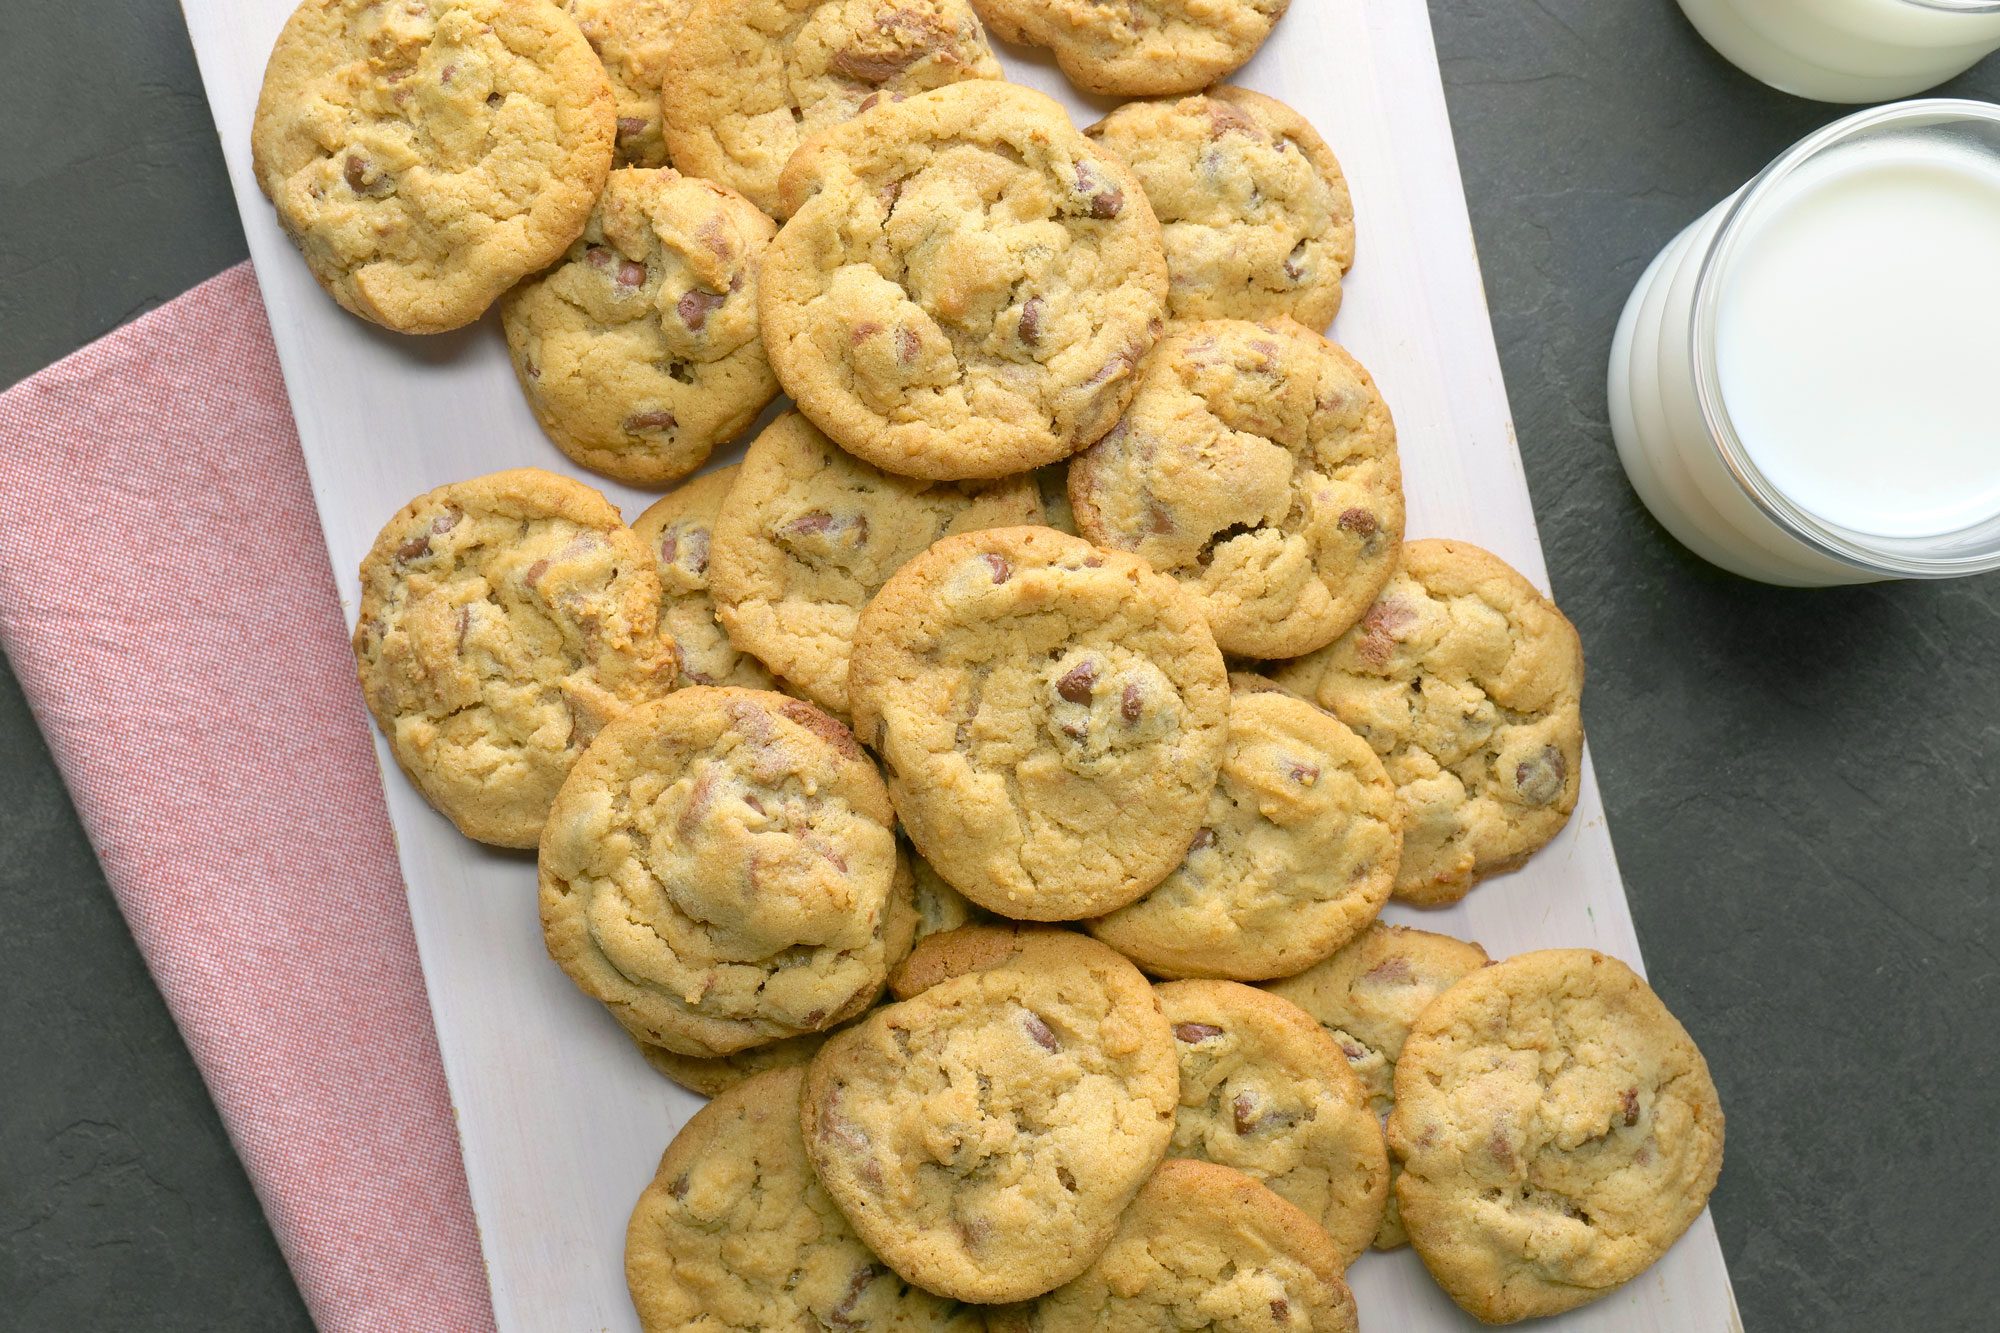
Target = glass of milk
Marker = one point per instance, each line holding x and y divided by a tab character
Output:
1805	384
1850	50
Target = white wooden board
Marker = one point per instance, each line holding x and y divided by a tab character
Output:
560	1120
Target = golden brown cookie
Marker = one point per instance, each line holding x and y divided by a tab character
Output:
718	870
735	1233
754	79
1051	718
1468	683
810	533
1203	1247
965	285
1296	856
1257	464
639	352
632	38
504	621
984	1136
678	529
974	947
425	157
1367	997
1264	1090
1141	48
1558	1132
920	906
1252	204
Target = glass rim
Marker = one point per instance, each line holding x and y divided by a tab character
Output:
1874	554
1957	6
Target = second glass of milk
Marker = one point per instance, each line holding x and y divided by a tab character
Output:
1849	50
1805	385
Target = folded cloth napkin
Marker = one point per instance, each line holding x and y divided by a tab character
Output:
166	601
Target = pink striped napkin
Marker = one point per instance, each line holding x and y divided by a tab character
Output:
166	601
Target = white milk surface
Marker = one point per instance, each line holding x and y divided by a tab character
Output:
1849	50
1858	340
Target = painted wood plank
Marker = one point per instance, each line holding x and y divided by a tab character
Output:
560	1120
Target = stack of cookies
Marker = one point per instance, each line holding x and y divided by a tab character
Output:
1054	670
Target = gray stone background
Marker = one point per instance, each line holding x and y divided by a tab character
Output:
1804	786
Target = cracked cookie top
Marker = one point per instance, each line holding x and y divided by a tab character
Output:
753	79
1468	683
1257	464
1264	1090
1138	48
632	38
811	533
937	908
504	621
1202	1247
984	1136
1297	853
966	284
1367	997
1252	205
427	154
1558	1131
679	529
1051	717
718	870
735	1233
639	353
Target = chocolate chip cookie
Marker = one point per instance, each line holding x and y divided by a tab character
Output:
718	870
1252	204
1256	464
754	79
1558	1132
1368	996
1467	681
504	621
632	38
974	947
639	352
678	529
1141	48
425	156
1264	1090
921	905
1201	1247
984	1137
965	286
811	533
1051	717
1296	856
734	1232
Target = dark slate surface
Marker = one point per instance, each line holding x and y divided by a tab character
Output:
1804	787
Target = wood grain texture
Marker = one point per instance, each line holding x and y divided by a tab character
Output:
561	1122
